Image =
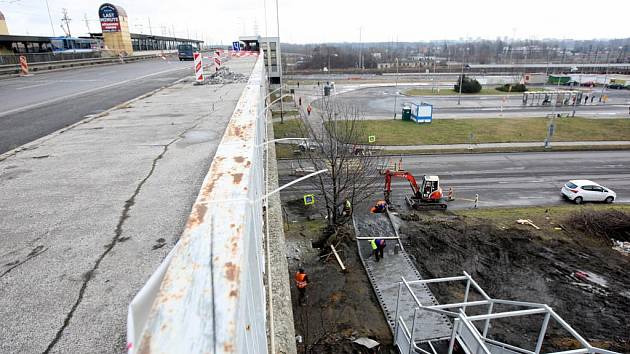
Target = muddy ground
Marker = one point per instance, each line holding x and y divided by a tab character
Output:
518	262
341	307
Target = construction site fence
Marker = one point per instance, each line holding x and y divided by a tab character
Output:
208	295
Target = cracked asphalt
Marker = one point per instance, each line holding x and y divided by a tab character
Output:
87	215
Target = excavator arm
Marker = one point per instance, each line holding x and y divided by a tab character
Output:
403	174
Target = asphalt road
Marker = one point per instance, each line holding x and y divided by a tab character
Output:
504	179
379	102
88	215
32	107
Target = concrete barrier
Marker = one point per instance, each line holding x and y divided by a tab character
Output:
208	296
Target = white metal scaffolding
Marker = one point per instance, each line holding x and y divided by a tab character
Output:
465	333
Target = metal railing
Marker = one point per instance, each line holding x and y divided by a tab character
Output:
46	57
208	295
471	339
12	69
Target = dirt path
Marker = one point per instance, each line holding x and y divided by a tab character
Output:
341	307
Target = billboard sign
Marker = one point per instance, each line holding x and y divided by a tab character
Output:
109	18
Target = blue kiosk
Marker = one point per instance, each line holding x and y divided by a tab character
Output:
422	113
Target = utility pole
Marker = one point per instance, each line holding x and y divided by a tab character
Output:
396	90
461	77
65	19
50	19
360	49
87	23
279	57
150	29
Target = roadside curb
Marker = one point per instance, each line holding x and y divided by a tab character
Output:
36	143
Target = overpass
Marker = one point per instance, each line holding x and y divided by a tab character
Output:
90	211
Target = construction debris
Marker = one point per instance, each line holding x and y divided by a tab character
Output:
343	267
623	247
225	76
527	222
367	342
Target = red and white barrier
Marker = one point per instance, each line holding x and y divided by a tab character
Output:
243	53
198	67
217	60
23	66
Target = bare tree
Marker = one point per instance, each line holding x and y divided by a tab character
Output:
339	143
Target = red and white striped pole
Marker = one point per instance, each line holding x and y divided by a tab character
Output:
217	60
198	67
23	66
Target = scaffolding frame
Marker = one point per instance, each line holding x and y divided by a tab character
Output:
470	339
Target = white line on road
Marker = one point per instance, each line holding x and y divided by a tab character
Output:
31	86
43	103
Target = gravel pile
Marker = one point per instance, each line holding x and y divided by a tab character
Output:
225	76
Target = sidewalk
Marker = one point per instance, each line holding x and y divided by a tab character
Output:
503	145
89	212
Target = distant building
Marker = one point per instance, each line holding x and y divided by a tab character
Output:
273	54
3	25
377	56
384	65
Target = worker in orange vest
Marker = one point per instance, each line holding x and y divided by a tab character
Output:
379	207
301	281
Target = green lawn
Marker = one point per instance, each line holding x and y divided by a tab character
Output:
450	92
494	130
549	218
285	151
286	113
291	128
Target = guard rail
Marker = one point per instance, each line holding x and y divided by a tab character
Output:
14	69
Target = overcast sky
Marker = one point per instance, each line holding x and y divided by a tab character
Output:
310	21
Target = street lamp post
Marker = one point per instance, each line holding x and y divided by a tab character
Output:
396	90
461	77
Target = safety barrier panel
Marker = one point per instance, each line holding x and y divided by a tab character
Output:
208	295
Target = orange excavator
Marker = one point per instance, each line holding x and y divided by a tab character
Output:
426	196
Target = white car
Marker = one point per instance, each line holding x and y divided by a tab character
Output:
583	190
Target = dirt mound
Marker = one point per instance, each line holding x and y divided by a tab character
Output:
520	263
608	225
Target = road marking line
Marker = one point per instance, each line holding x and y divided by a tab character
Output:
31	86
40	104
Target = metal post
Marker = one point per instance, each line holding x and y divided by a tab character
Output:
543	330
50	19
456	325
279	58
461	77
396	90
413	330
487	324
396	317
466	295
